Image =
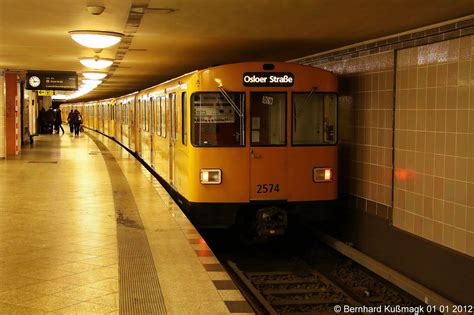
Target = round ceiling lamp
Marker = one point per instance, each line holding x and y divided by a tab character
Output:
92	75
96	63
96	39
90	82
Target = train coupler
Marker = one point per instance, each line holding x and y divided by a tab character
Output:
271	221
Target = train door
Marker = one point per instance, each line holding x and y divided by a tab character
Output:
106	118
139	126
133	123
117	121
112	119
151	128
101	118
268	151
172	109
126	124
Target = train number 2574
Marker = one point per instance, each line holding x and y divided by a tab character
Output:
267	188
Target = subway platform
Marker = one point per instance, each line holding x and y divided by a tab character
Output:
85	229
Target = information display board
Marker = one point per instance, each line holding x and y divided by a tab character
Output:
51	80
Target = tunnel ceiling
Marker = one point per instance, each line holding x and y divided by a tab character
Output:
195	34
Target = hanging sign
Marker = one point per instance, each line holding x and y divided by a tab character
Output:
51	80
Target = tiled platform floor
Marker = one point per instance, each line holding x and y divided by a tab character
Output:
60	222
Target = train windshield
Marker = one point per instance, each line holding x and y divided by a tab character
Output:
268	118
314	118
214	120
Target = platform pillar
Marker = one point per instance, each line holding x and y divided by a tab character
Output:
12	123
2	116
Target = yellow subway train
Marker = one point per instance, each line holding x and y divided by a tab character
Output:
237	142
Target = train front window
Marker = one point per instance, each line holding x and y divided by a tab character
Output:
214	120
268	118
314	118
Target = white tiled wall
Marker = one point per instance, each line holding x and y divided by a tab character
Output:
434	155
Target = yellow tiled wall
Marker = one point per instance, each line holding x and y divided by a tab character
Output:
366	124
434	143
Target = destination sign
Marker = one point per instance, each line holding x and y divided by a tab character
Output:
262	79
51	80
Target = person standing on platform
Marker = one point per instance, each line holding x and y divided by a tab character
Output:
42	121
58	120
77	122
50	120
70	120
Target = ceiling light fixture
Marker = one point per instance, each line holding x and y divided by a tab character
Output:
96	62
95	9
94	75
96	39
90	82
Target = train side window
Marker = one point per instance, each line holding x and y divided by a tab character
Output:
132	113
124	113
314	119
152	115
184	122
142	114
163	117
268	118
127	112
215	121
158	116
136	114
147	114
173	118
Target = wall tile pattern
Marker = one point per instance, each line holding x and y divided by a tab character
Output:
434	97
432	35
434	143
365	127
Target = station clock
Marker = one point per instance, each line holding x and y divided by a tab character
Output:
34	81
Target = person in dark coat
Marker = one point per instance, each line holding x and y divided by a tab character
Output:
70	120
77	121
50	120
58	120
43	126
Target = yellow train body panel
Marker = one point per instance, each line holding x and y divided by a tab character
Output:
172	127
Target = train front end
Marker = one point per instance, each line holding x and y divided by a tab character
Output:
264	138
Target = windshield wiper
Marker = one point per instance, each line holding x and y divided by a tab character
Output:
305	102
231	101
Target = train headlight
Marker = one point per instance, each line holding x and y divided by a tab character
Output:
211	176
322	174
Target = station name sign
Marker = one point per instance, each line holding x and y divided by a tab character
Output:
262	79
51	80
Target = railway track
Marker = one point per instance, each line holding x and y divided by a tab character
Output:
297	275
301	290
